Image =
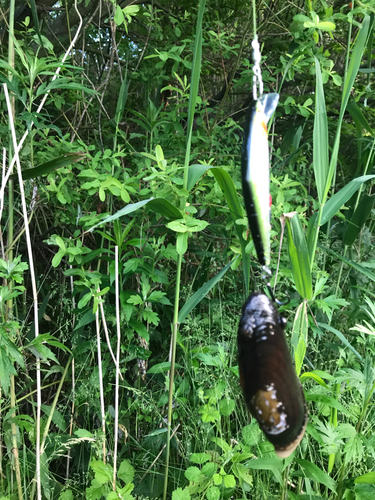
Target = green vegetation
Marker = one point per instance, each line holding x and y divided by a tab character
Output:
125	256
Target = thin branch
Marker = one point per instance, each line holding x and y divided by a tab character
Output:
117	365
33	286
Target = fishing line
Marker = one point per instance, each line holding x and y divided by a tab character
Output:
257	75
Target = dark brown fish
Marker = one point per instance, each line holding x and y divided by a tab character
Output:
272	391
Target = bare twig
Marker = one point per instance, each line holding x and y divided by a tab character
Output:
107	334
117	365
33	285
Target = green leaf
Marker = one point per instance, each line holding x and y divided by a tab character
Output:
368	478
199	458
315	377
103	472
199	294
11	349
165	208
63	83
6	370
194	474
358	219
209	414
132	207
165	366
126	471
182	243
181	494
226	407
119	16
229	481
57	417
353	450
87	318
95	491
268	463
178	226
84	300
195	74
58	257
209	469
358	267
355	61
326	400
49	166
320	135
213	493
341	337
45	475
339	199
313	472
299	336
222	444
358	116
140	328
326	26
195	172
299	258
231	196
66	495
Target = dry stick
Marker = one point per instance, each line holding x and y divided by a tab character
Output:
2	200
117	365
100	379
107	335
33	286
18	149
14	442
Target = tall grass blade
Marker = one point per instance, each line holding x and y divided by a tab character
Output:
358	219
299	257
49	166
299	336
194	85
358	267
202	292
350	76
121	101
342	338
338	200
320	135
358	117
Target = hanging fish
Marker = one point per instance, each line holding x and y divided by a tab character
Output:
272	391
256	175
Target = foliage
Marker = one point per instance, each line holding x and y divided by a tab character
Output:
136	144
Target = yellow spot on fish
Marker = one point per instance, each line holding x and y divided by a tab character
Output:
269	410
